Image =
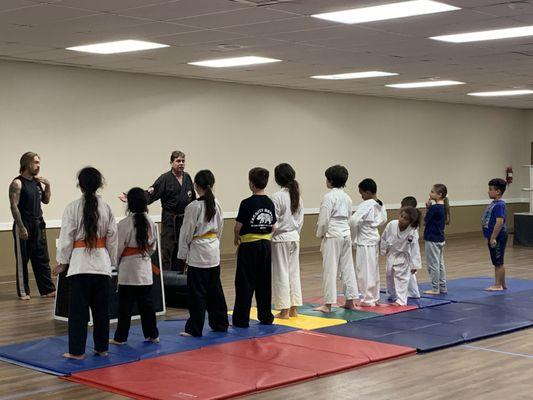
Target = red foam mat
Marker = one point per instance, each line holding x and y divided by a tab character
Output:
233	369
357	348
147	380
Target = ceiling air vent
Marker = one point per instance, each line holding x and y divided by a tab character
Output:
261	3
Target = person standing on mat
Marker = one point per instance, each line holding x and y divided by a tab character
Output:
412	291
336	247
286	286
199	246
399	243
175	190
436	218
87	248
364	223
136	243
253	229
495	231
26	193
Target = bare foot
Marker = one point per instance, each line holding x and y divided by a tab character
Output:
73	356
396	304
113	341
367	304
185	334
326	309
100	353
154	340
293	312
381	305
27	297
494	288
433	292
50	295
284	314
350	305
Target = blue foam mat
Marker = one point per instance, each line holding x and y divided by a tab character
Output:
437	327
46	355
467	289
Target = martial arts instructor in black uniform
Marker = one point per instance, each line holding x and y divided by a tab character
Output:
26	193
175	189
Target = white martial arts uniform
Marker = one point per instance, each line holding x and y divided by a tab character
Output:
99	260
403	255
198	251
336	246
286	286
364	225
135	269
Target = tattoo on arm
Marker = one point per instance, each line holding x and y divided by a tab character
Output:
47	193
14	197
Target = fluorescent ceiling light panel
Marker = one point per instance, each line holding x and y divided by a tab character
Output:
424	84
234	62
487	35
355	75
386	11
502	93
122	46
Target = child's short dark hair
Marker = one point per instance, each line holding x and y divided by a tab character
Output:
337	176
258	177
498	184
409	201
413	214
368	185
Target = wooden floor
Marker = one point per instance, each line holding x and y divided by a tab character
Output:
496	368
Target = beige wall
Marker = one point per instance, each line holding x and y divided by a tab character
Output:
464	220
127	124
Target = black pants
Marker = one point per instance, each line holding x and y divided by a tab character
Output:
170	234
88	291
128	295
205	294
35	249
253	274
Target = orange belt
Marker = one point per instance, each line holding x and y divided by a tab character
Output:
100	243
131	251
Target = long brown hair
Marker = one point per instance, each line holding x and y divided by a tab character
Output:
89	181
26	159
285	176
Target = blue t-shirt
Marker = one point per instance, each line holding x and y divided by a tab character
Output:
435	220
494	210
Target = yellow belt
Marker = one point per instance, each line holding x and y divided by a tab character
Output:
208	235
254	237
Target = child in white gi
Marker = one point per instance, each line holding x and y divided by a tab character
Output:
413	290
364	225
400	244
286	286
336	247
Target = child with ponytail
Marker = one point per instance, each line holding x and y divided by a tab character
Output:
286	286
136	243
437	217
199	247
88	249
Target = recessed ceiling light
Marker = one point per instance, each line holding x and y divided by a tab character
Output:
424	84
487	35
502	93
234	62
121	46
386	11
355	75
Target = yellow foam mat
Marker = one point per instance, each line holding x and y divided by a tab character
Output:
302	321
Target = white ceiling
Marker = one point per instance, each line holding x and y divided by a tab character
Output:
34	30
